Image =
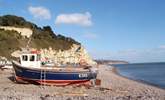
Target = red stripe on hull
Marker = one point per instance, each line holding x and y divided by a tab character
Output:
63	82
54	82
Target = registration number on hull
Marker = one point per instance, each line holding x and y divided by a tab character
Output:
83	75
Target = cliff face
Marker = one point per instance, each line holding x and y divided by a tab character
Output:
111	62
76	54
15	33
25	32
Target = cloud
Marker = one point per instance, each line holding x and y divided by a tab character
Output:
90	35
162	47
83	19
40	12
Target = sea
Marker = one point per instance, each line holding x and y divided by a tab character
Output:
150	73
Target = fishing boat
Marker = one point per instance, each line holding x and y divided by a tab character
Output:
30	69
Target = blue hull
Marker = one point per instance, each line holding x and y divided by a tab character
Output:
52	76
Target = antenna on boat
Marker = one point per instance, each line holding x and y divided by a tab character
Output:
27	46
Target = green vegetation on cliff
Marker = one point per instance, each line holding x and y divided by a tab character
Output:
41	37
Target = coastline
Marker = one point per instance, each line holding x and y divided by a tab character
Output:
134	88
115	71
113	87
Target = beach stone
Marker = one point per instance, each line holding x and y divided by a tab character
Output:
120	89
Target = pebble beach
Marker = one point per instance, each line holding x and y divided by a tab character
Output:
113	87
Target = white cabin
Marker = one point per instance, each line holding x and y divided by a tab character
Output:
31	60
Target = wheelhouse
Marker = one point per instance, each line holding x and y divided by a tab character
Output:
31	59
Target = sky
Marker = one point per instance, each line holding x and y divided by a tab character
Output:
130	30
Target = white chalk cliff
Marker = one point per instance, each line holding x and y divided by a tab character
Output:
26	32
76	54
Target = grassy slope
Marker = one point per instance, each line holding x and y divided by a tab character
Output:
41	38
9	41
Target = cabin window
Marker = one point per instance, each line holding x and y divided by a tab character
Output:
32	58
25	58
